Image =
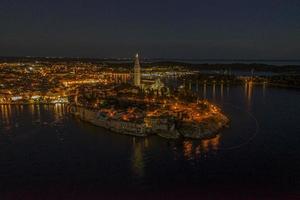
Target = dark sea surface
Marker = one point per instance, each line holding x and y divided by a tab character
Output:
45	153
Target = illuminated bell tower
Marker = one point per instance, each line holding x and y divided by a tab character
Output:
137	71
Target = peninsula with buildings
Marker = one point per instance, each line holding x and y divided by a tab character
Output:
111	95
148	107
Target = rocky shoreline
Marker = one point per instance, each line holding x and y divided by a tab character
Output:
209	128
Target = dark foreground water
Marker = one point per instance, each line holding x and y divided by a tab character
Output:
47	154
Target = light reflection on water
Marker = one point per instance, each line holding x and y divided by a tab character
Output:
195	149
94	156
137	156
204	91
249	93
214	91
12	116
56	113
222	90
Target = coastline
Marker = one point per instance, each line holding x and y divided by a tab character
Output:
207	129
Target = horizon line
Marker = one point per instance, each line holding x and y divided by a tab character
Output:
155	58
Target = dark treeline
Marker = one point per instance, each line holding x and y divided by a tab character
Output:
233	66
127	63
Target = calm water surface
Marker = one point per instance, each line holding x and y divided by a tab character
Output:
44	151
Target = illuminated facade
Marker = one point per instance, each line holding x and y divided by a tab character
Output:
137	71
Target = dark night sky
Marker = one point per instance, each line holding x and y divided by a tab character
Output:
202	29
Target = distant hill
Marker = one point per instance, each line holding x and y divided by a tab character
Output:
191	64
